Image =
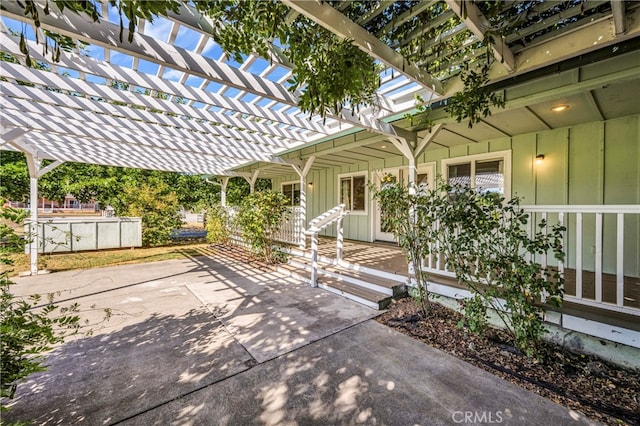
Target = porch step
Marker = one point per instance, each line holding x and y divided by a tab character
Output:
366	288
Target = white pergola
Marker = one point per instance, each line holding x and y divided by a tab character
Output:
172	100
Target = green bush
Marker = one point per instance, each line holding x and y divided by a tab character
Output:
157	205
259	218
485	241
27	331
409	214
217	225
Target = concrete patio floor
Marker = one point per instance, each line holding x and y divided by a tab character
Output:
215	341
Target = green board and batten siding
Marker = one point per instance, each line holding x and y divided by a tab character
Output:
588	164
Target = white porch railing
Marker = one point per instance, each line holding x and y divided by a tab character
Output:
602	247
291	228
318	224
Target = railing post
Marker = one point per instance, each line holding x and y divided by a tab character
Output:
339	239
314	259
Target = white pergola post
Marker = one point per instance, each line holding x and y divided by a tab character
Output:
252	180
34	235
34	165
302	173
223	191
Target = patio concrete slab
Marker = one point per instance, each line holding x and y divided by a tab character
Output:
367	374
270	318
162	341
216	341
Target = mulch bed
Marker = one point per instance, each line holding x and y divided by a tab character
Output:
601	390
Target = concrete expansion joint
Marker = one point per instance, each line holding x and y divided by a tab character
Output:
250	364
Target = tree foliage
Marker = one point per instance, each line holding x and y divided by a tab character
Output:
484	239
104	184
329	73
476	99
157	205
14	176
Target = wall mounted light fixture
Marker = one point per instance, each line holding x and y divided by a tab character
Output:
310	184
539	158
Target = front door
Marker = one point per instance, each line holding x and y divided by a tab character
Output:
424	179
381	232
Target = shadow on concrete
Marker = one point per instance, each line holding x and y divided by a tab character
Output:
367	374
163	343
106	378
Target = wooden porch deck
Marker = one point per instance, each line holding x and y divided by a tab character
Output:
389	257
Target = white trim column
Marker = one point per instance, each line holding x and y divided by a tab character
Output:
412	149
252	180
34	165
302	173
34	237
223	191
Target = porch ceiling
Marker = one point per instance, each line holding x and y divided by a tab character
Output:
172	100
591	93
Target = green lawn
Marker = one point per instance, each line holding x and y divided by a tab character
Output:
96	259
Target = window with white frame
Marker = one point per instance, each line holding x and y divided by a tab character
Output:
489	172
292	191
352	191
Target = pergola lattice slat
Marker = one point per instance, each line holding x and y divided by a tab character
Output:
76	124
66	148
67	106
123	74
148	48
48	79
224	156
145	47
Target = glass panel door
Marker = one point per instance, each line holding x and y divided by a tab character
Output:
382	231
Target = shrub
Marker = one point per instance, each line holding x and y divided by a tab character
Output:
409	214
485	241
259	218
217	225
158	207
27	331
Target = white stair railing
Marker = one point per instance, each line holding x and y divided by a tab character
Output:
318	224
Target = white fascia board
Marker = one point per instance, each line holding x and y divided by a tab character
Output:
337	23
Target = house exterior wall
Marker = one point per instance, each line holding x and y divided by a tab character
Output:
588	164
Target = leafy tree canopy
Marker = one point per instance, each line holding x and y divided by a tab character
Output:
329	73
104	184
